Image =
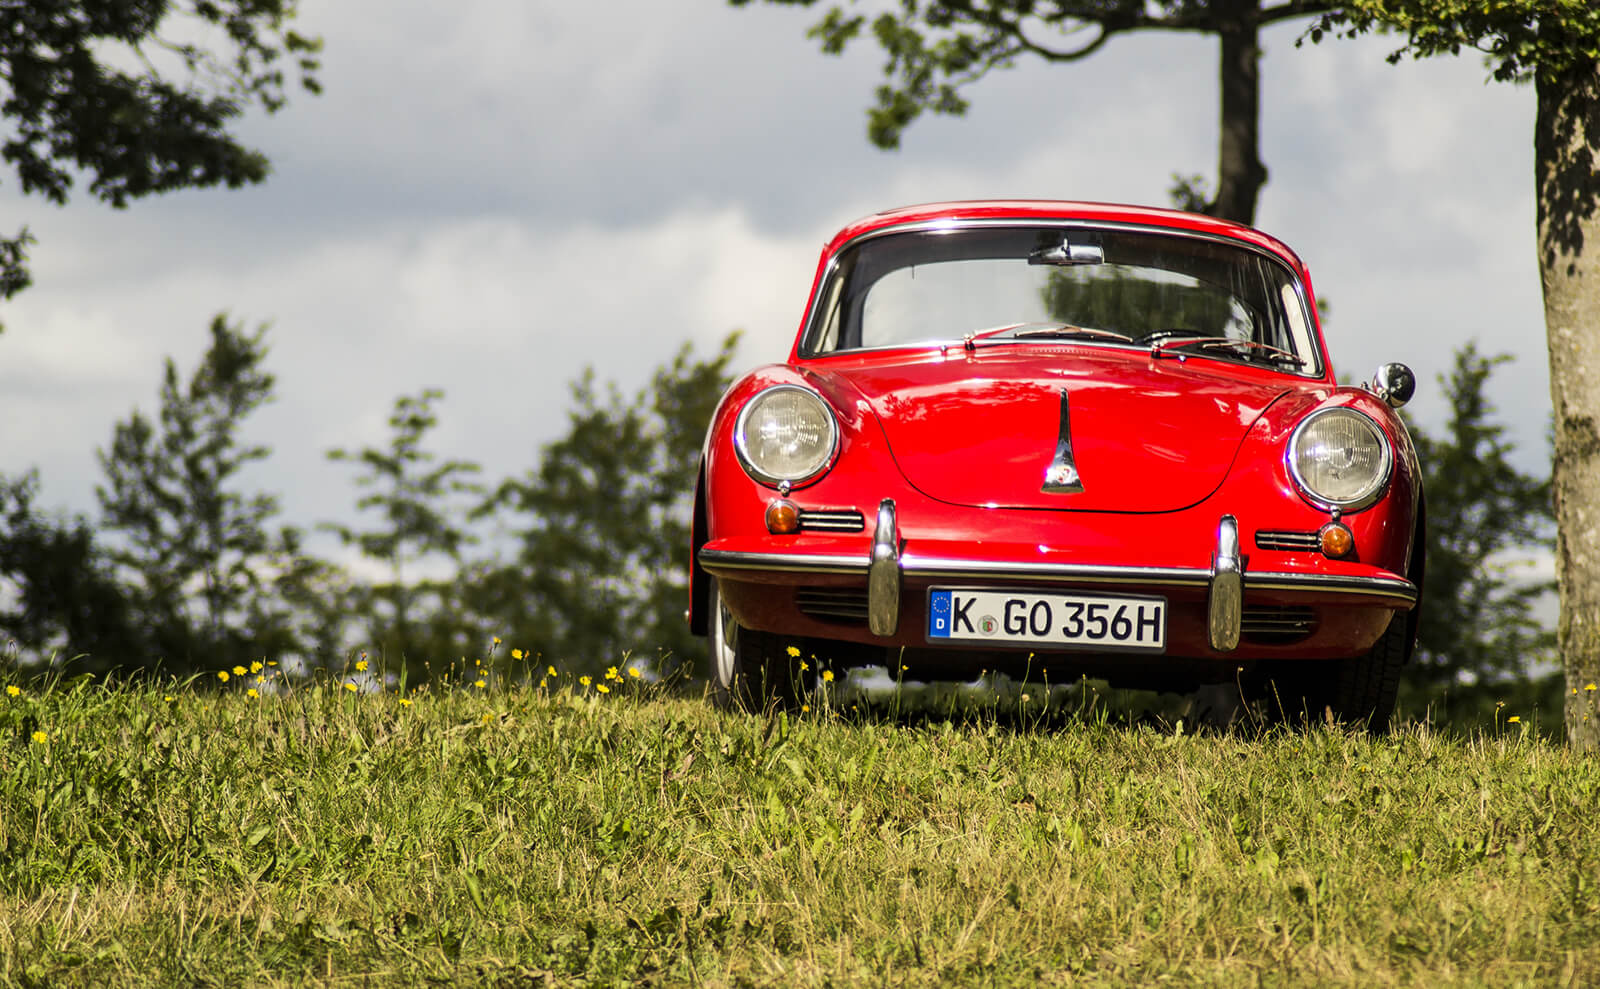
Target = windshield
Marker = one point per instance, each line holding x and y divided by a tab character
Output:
1108	287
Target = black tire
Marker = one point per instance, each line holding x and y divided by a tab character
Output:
751	671
1365	687
1359	691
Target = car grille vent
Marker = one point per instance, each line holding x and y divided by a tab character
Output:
1288	541
831	520
835	605
1276	625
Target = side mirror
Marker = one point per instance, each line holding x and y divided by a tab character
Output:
1394	384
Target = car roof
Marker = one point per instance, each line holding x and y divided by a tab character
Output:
1042	209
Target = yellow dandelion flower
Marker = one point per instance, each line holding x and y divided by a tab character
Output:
805	708
40	737
12	690
361	666
480	683
261	679
584	680
497	640
1514	719
239	671
516	654
252	692
633	671
405	702
222	675
549	671
794	652
804	666
272	662
1589	687
611	674
350	686
168	698
603	689
827	676
255	667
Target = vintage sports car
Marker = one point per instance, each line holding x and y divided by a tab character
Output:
1058	440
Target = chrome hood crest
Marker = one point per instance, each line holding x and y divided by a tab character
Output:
1061	477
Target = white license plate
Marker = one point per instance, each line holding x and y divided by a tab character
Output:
1047	618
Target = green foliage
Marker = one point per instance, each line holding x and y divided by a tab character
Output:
531	837
1521	38
1478	620
58	591
192	549
602	525
109	90
421	521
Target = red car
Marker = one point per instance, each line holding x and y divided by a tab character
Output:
1061	439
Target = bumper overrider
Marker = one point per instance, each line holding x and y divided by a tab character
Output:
889	566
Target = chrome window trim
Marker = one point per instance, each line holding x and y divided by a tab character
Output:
938	568
951	224
762	476
1316	500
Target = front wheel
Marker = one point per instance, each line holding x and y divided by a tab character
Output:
751	670
1361	690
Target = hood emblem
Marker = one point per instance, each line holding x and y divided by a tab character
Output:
1062	475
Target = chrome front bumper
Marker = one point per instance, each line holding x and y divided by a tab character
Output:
889	565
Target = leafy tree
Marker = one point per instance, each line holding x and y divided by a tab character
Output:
1556	45
193	550
1477	619
602	525
108	90
937	48
57	592
413	497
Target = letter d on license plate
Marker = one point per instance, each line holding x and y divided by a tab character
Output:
1046	618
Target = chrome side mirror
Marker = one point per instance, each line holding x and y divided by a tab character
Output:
1394	384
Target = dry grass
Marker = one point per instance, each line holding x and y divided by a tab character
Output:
526	836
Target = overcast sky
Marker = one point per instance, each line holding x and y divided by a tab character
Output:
491	196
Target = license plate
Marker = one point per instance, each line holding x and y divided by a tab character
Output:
1046	618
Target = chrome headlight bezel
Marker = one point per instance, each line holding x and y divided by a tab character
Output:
1371	493
759	472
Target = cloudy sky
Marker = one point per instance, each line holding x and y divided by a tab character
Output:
492	196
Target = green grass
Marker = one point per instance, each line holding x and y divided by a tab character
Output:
522	837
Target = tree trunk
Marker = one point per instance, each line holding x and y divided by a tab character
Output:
1240	173
1566	139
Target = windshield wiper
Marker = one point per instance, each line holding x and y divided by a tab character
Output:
1063	330
1041	331
1274	355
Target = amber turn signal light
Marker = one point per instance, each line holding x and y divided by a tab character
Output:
1337	540
783	518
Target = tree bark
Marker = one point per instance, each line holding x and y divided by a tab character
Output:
1566	142
1240	173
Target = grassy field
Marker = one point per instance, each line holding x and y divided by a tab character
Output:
529	836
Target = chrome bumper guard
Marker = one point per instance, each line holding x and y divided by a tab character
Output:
1225	595
883	573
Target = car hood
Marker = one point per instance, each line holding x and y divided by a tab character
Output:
981	429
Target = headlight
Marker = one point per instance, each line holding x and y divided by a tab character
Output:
1340	458
786	433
